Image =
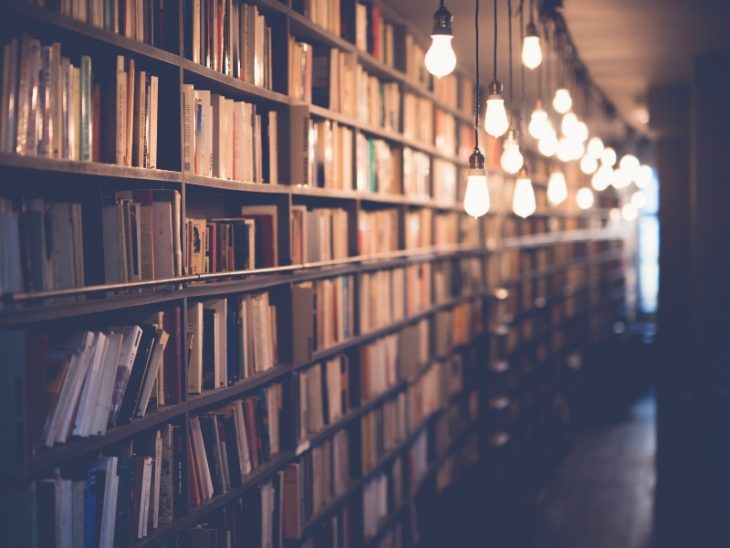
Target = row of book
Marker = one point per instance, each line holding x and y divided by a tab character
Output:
377	231
116	499
319	234
226	244
445	182
382	430
378	102
460	278
374	34
382	298
228	139
80	384
417	174
330	155
418	118
55	109
227	444
419	225
381	495
150	21
230	340
41	245
323	76
230	37
326	13
324	395
378	166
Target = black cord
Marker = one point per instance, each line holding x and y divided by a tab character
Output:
509	39
442	4
522	67
495	40
476	70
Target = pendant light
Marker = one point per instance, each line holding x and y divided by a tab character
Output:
476	197
562	102
557	190
631	166
523	200
638	199
496	122
595	147
511	159
548	144
538	121
531	50
588	164
608	157
584	198
440	58
601	179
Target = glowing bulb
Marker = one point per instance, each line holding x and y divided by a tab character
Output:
584	198
614	215
523	200
608	157
638	199
568	124
630	164
511	160
531	51
496	122
643	176
601	179
577	148
440	58
595	147
557	190
620	178
581	131
628	212
588	164
562	101
476	197
548	144
565	150
539	123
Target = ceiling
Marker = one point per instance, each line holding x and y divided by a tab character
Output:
626	45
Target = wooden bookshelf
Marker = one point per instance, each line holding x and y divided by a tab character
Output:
100	305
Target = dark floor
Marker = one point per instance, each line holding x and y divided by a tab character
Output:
601	496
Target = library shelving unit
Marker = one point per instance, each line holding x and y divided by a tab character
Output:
450	345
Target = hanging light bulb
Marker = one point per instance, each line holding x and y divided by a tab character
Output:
577	148
440	58
565	151
601	179
588	164
557	190
548	144
631	166
568	124
581	131
511	160
629	212
643	177
476	197
531	51
523	200
562	101
620	178
538	121
608	157
595	147
638	199
496	122
584	198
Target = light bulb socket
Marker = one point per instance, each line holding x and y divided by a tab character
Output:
476	160
538	105
531	30
495	89
523	173
512	134
442	20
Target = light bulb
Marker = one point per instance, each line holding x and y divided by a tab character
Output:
496	122
630	164
620	178
608	157
531	51
557	190
523	200
577	148
601	179
548	145
476	197
511	160
638	199
628	212
568	124
588	164
440	58
643	177
595	147
581	131
538	122
565	151
562	102
584	198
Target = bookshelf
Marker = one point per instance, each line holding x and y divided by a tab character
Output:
476	317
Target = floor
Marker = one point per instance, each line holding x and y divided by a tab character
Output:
601	496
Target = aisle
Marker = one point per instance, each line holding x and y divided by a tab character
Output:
602	495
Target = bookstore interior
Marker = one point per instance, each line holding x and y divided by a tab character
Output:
284	273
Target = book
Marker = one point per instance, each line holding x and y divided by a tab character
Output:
319	234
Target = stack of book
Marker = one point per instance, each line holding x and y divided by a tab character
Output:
319	234
233	243
117	499
378	166
55	109
141	235
377	231
382	296
373	33
324	395
41	245
419	228
379	101
230	37
382	429
226	445
418	118
330	155
417	174
228	139
82	384
444	182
